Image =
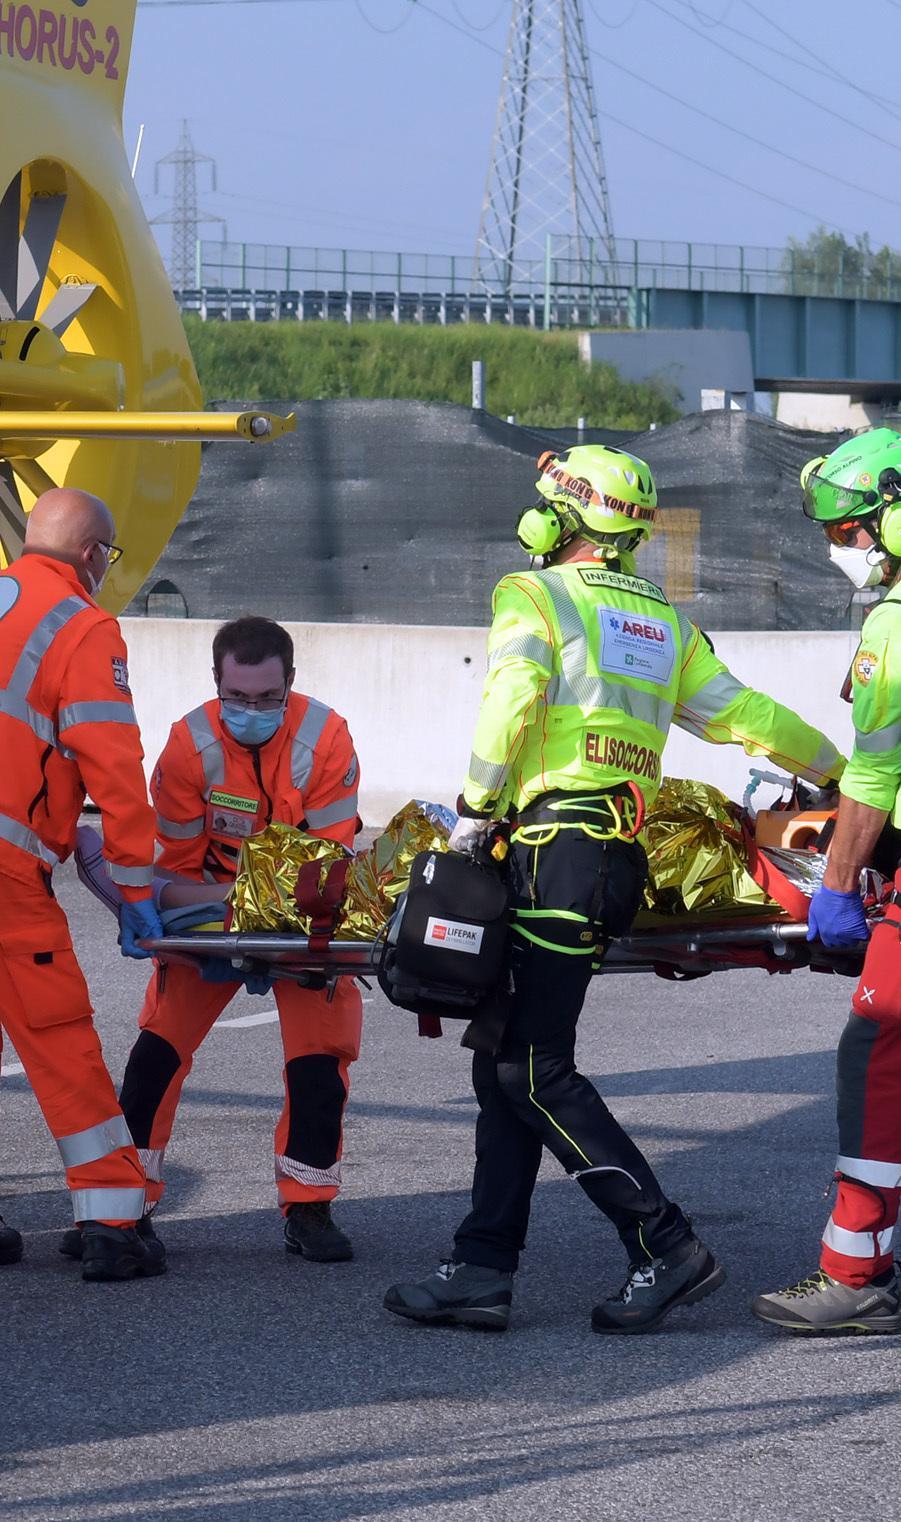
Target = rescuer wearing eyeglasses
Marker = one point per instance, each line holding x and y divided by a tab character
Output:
256	753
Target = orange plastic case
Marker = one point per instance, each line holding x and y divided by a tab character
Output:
793	830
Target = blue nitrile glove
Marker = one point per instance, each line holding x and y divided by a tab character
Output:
837	919
139	922
220	970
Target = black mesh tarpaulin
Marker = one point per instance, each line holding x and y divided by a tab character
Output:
403	512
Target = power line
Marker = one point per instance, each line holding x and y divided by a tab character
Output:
488	24
699	163
614	26
384	31
739	131
721	174
759	142
464	31
773	78
710	21
827	70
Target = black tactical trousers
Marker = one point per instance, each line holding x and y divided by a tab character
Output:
530	1094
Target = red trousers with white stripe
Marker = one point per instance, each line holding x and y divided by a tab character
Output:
857	1242
320	1040
46	1011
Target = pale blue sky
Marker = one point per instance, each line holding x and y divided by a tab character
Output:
327	130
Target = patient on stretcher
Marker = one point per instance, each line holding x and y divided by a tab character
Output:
704	867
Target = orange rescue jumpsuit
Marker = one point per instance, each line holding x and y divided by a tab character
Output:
66	725
210	794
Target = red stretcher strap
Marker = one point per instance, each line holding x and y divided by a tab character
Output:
773	882
429	1026
321	899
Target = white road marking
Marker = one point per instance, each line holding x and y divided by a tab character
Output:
9	1068
266	1017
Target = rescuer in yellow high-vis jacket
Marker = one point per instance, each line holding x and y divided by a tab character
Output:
587	669
588	666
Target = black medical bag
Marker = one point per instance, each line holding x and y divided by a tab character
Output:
448	944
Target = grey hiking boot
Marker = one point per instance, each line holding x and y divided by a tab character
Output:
686	1274
822	1304
456	1294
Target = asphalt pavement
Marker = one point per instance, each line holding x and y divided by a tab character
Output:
250	1386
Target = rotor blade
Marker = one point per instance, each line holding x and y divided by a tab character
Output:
35	248
12	514
65	306
9	246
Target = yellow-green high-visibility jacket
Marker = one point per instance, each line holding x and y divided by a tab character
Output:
587	669
873	774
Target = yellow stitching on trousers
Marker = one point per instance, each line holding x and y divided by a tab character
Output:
547	1114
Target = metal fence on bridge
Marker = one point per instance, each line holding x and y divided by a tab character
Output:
582	274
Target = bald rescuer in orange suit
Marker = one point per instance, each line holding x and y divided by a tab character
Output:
256	753
66	726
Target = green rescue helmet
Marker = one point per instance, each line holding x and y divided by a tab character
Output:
859	479
602	494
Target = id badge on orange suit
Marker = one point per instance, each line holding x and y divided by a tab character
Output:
229	816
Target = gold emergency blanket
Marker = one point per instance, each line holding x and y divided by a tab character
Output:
263	895
697	858
696	855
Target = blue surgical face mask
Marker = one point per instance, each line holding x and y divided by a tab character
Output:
247	725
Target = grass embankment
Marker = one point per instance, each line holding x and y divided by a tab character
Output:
537	376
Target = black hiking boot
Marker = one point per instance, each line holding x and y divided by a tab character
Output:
119	1252
686	1274
311	1233
11	1244
70	1242
456	1294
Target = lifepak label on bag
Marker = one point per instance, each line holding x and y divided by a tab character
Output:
635	645
453	936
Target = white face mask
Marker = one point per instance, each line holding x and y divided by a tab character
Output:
863	567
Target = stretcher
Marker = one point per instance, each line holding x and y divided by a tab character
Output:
770	935
776	945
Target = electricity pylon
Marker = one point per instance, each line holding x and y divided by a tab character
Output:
546	177
183	214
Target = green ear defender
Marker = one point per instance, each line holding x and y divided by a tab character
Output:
540	529
889	530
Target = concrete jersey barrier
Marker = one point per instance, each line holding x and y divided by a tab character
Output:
410	695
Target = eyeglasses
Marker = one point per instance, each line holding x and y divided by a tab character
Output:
843	533
253	705
113	551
